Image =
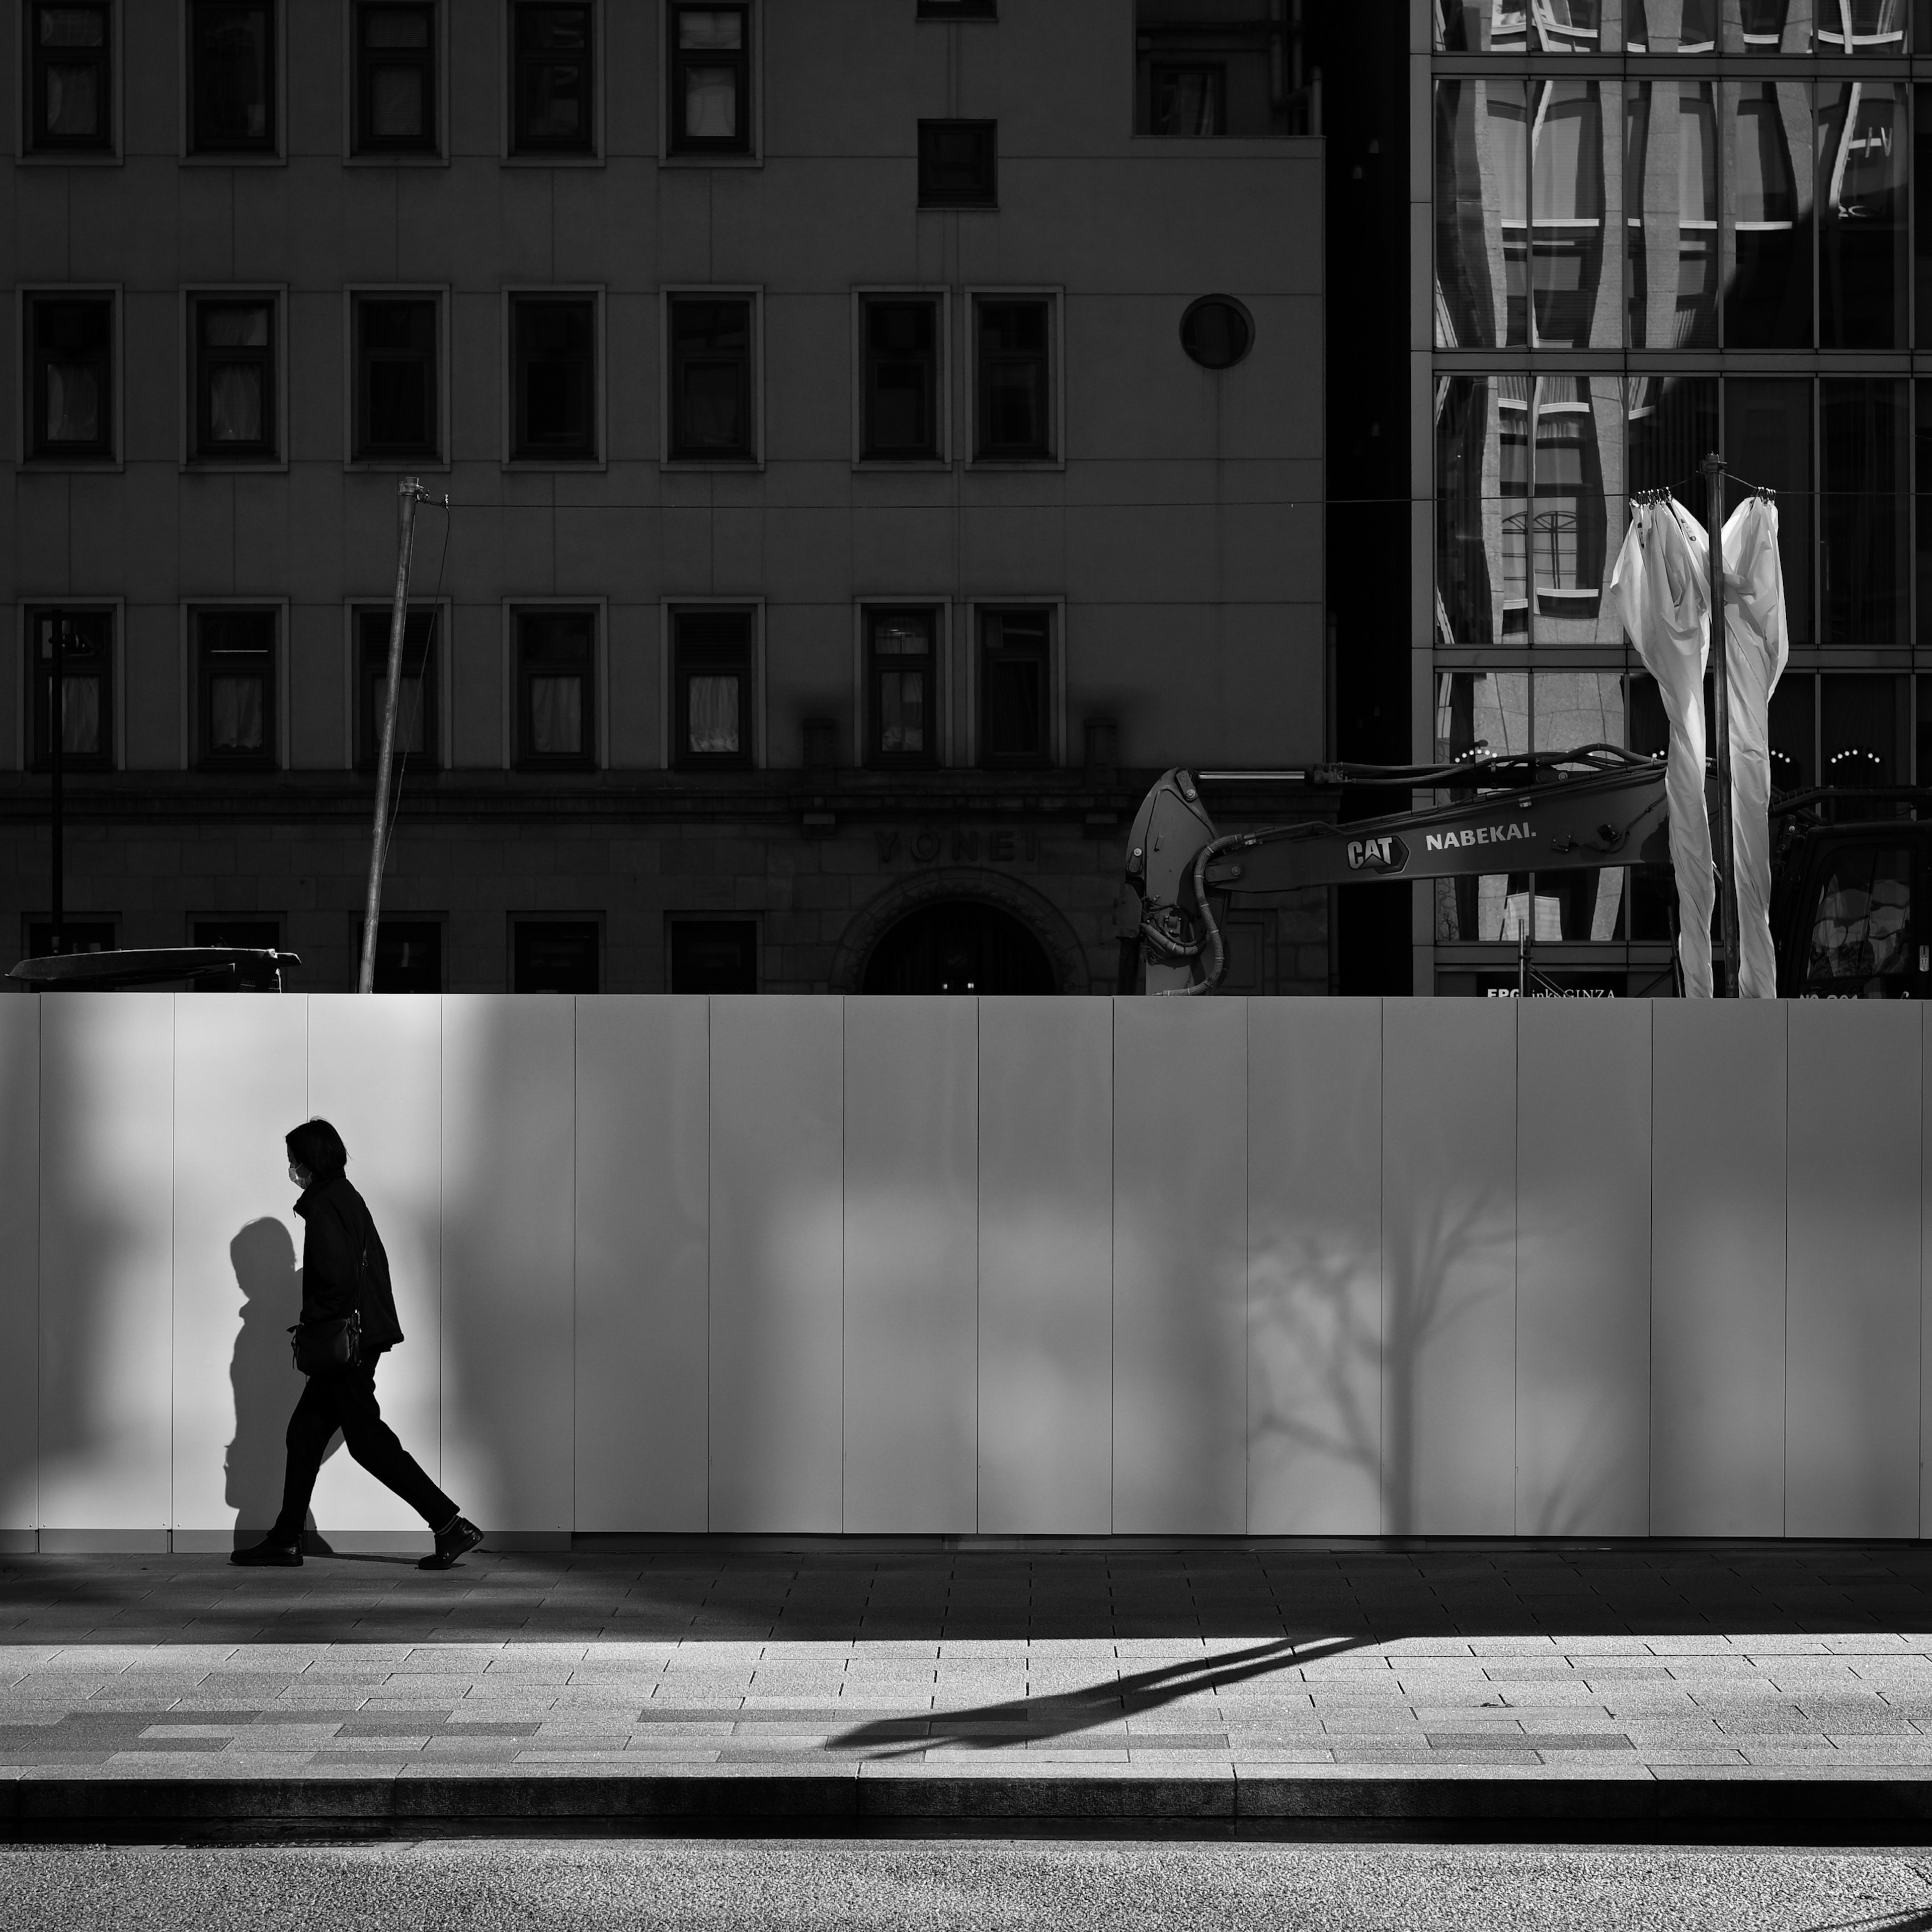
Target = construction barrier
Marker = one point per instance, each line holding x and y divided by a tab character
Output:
1330	1267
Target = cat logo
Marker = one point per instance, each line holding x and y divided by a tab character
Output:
1385	854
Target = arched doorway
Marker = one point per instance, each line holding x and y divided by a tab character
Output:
958	945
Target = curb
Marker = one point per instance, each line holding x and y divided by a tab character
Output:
1809	1810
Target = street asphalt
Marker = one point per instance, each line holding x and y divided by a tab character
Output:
979	1886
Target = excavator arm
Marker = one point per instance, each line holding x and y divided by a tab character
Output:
1556	811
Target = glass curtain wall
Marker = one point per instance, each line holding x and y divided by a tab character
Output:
1663	227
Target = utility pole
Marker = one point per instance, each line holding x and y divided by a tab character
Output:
1721	674
56	751
410	492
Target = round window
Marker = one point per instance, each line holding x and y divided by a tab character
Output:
1217	332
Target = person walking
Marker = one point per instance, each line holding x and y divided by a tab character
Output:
346	1272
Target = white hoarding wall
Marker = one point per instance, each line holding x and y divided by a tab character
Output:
1012	1266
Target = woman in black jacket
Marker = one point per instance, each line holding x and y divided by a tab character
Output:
345	1271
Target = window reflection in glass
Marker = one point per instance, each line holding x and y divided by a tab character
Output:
1478	714
1523	530
1570	709
1860	932
1862	731
1859	26
1772	26
1670	26
1572	176
1767	439
1671	423
1861	506
1794	715
1482	491
1767	257
1515	26
1861	215
1670	216
1482	193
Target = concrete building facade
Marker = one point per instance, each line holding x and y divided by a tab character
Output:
852	504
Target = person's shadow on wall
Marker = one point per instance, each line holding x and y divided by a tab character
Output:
265	1382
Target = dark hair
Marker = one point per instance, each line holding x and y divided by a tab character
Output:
316	1146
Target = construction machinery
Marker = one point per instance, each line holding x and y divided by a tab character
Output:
1850	866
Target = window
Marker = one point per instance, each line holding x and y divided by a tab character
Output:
235	377
69	72
556	677
902	379
553	361
231	77
710	69
711	687
1238	67
901	669
69	400
959	164
262	935
711	401
958	10
1013	377
1015	684
76	648
714	955
551	100
418	716
409	955
397	385
77	935
1216	332
554	956
395	77
234	689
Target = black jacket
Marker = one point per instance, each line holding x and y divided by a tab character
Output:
338	1234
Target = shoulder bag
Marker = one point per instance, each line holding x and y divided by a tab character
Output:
334	1343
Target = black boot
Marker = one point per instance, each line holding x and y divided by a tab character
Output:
268	1554
455	1537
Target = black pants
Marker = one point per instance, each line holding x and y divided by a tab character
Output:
346	1401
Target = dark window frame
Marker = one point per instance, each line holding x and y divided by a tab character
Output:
415	924
422	650
679	144
526	357
745	924
523	924
38	138
265	145
521	143
203	446
678	447
37	448
877	663
364	64
870	357
363	449
983	190
991	647
1046	450
207	757
530	662
107	617
693	654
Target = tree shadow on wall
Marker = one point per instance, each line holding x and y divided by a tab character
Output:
266	1386
1342	1339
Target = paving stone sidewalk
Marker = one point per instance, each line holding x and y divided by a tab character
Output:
1642	1662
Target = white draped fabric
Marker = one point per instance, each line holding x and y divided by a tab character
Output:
1660	589
1755	647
